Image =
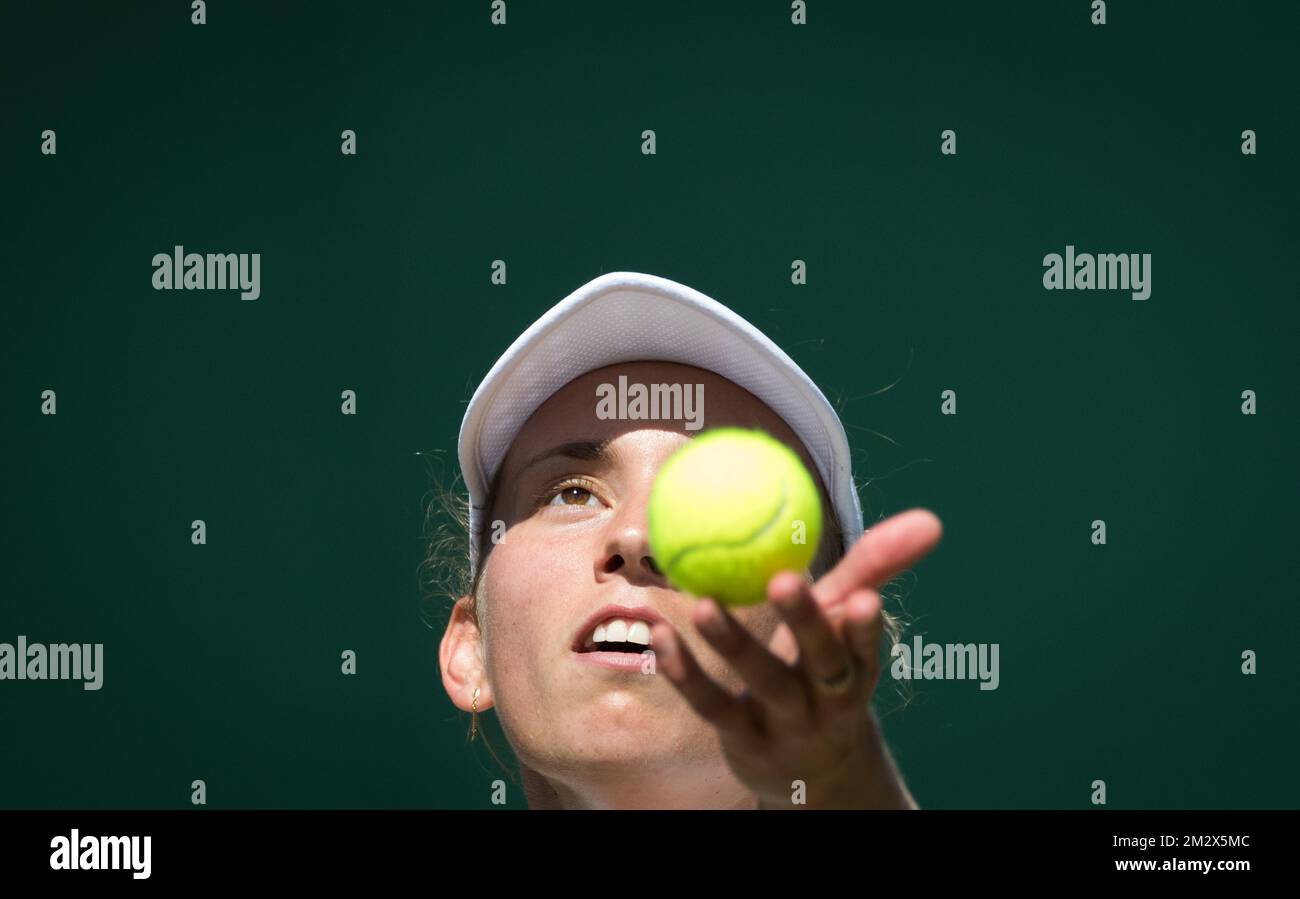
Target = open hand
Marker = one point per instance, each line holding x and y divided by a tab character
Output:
805	714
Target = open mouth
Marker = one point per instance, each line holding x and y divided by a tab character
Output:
618	635
616	630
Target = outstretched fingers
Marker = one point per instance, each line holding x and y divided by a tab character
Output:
730	715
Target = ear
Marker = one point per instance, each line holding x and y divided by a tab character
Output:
461	660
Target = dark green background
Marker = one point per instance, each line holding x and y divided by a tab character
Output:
522	143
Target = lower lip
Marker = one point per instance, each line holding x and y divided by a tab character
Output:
619	661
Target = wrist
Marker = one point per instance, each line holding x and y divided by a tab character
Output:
868	778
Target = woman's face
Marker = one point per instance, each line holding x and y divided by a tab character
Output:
574	540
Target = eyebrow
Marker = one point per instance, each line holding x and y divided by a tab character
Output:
583	450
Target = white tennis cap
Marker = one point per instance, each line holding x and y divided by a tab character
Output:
626	317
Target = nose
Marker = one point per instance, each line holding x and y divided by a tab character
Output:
627	552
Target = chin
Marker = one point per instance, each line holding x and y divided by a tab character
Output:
618	726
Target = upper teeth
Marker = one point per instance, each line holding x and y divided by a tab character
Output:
622	630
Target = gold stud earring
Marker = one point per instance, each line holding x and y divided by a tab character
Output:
473	721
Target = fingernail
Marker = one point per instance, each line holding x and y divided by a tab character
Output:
713	626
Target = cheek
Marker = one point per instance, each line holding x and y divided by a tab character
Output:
526	605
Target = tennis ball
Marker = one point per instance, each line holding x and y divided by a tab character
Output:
729	510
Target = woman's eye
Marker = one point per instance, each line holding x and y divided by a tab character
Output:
570	494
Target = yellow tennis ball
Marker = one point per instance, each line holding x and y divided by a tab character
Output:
729	510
